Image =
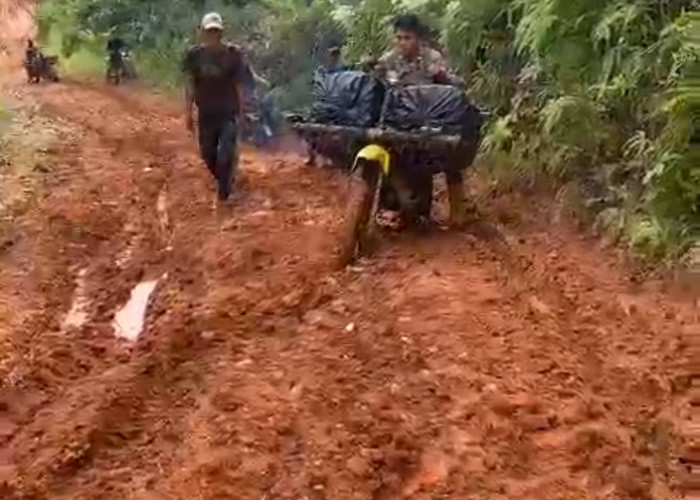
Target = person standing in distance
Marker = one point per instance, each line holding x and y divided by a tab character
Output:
215	73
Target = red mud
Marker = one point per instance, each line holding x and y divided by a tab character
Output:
516	362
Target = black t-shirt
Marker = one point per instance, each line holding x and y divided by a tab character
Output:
214	75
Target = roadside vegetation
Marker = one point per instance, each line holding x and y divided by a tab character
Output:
600	97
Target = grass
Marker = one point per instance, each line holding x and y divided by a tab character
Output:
25	139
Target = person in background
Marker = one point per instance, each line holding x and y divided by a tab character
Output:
331	64
252	83
115	46
215	73
30	53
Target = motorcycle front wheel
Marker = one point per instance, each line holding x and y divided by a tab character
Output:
365	183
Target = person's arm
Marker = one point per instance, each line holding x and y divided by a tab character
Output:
188	70
189	104
239	70
440	71
240	99
259	80
447	77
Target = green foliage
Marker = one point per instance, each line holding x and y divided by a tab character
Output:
368	25
614	84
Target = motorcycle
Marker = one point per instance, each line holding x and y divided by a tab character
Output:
40	67
120	67
392	140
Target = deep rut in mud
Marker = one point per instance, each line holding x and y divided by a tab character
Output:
449	365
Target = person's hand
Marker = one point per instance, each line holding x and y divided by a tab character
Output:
189	122
440	76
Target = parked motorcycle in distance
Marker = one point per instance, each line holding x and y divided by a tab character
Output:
41	67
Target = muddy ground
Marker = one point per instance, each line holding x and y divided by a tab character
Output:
515	359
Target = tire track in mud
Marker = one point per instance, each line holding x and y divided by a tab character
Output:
95	429
77	347
448	366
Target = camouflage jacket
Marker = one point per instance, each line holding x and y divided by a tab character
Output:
429	67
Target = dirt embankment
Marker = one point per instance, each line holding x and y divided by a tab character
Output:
17	23
512	360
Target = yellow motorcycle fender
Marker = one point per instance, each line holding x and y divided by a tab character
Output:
374	152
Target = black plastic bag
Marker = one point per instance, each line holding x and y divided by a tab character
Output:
350	98
440	107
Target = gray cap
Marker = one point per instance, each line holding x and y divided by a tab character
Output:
212	21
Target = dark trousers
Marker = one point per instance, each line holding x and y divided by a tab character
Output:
218	145
415	191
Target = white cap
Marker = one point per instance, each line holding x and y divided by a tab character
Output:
212	21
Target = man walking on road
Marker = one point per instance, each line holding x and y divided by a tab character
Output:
215	75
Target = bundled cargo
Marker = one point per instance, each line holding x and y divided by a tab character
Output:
350	98
434	107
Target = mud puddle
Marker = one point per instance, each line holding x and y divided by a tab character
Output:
128	321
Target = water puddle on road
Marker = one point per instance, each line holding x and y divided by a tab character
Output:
77	316
128	322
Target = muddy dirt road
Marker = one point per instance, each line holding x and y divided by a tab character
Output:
520	362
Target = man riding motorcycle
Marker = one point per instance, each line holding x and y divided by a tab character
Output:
117	65
30	62
37	65
411	62
30	51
